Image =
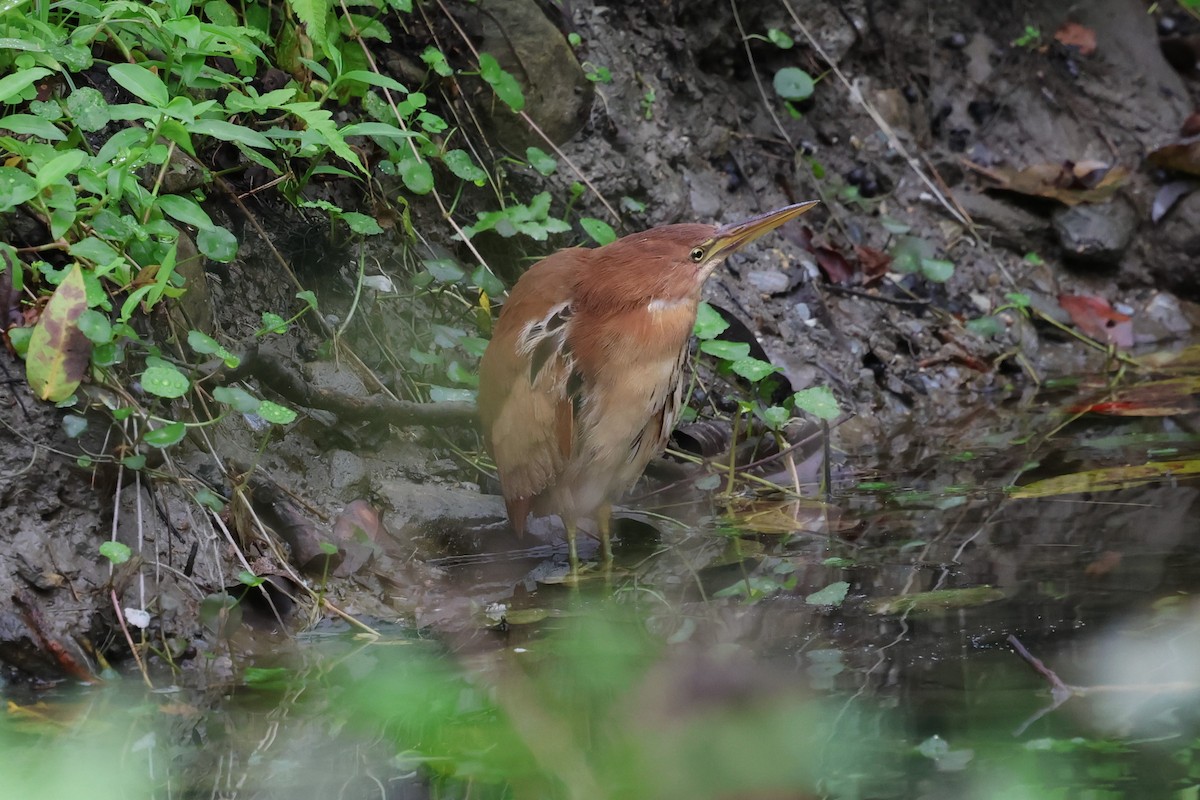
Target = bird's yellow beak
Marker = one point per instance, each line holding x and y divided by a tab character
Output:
731	238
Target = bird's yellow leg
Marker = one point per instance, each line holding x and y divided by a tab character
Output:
604	521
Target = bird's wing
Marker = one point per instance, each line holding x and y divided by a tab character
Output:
528	387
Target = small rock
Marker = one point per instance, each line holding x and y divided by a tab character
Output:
346	470
769	281
955	41
1096	235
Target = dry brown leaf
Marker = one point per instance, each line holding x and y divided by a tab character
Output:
1072	34
1068	182
1179	156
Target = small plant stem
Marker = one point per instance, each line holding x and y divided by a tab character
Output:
129	639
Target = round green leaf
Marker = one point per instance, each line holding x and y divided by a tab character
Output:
818	401
15	188
74	425
164	381
165	436
831	595
217	243
541	160
599	230
444	270
753	369
210	499
417	176
730	351
709	324
237	398
361	223
936	269
95	326
793	83
134	462
275	413
116	552
780	39
462	165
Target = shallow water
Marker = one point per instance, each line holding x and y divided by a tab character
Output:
869	647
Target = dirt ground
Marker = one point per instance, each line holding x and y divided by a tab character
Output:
916	105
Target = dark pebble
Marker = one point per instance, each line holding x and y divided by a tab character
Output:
958	140
856	176
1167	25
955	41
981	110
869	188
911	94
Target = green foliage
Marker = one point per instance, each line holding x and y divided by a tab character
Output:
115	552
794	84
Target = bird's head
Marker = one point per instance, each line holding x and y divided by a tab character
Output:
669	264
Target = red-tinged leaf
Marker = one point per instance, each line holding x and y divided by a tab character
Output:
874	263
1072	34
835	266
1096	318
58	351
1160	398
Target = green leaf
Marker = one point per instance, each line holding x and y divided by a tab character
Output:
709	323
462	165
417	175
436	61
309	298
116	552
275	413
165	381
441	394
229	132
186	210
96	250
818	401
15	188
217	243
776	416
141	83
753	369
167	435
599	230
444	270
793	83
59	167
1019	300
29	125
832	595
237	398
730	351
373	79
59	351
210	500
780	39
74	425
937	270
95	326
313	13
361	223
273	323
503	83
134	462
540	160
13	85
250	579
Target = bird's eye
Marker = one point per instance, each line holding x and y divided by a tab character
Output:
697	254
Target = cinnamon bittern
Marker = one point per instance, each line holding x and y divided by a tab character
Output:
583	379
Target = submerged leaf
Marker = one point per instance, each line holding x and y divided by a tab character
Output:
1107	479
